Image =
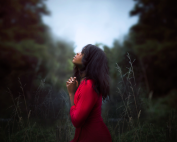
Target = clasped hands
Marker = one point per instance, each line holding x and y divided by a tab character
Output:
72	85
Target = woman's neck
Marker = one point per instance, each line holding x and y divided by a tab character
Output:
82	76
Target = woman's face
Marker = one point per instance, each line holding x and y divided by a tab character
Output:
77	59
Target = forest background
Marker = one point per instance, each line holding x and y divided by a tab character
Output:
34	69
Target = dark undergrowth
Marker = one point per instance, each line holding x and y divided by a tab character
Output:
139	117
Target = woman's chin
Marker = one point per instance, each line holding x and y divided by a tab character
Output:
74	62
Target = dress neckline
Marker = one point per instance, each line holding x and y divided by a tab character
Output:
83	78
81	82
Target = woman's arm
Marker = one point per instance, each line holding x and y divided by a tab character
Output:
72	85
71	96
80	111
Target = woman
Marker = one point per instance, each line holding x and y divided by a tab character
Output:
86	90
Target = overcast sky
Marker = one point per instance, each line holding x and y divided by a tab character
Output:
89	21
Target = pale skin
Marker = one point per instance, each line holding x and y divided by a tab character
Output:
72	83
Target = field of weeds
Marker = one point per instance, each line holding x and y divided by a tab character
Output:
136	118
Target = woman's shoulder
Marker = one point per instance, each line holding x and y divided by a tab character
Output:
87	83
87	87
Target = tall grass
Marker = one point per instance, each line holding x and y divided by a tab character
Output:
44	119
140	118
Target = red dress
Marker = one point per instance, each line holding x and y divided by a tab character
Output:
86	115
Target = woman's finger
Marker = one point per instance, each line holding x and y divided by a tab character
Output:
70	80
74	78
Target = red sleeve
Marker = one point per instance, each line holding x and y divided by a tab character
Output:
80	111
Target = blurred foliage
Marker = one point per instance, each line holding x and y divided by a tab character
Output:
151	44
154	40
19	16
34	69
145	87
29	55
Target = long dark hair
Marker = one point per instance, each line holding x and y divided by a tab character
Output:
95	67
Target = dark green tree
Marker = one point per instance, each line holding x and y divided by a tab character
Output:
154	40
21	19
28	52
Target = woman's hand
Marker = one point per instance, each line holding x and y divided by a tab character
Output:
72	85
